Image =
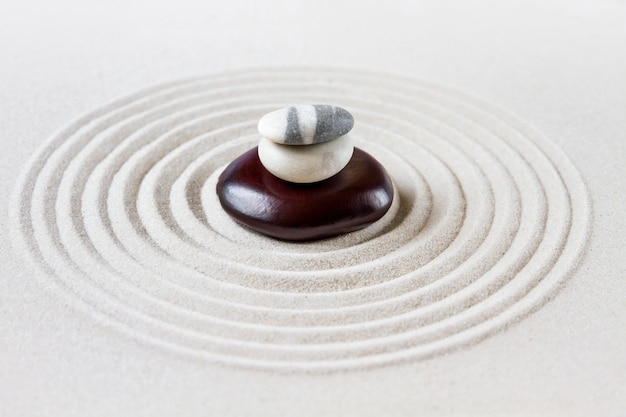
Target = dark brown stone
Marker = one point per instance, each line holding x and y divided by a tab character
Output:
357	196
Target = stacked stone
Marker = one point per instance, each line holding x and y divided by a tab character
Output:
306	144
305	180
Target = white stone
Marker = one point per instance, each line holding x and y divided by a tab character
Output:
306	124
306	164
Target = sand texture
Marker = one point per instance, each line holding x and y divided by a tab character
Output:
494	284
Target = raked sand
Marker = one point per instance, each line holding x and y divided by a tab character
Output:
488	287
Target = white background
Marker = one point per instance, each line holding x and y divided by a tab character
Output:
559	65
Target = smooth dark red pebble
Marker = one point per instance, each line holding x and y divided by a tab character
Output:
356	197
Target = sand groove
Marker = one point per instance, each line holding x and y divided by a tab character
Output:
119	211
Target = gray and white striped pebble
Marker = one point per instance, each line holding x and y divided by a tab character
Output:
306	164
306	124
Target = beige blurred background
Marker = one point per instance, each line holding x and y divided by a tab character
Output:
558	65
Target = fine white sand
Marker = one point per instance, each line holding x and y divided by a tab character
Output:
493	285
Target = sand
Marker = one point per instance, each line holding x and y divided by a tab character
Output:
493	285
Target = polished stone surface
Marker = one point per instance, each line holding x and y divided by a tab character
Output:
357	196
306	164
306	124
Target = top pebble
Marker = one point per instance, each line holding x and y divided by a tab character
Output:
306	124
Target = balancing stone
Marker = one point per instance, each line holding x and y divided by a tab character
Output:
305	124
306	164
357	196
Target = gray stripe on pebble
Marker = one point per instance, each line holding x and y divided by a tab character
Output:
325	123
292	130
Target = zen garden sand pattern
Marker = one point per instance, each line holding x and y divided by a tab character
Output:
118	211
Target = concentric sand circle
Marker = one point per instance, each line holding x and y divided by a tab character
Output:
119	211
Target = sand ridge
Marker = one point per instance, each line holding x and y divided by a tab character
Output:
119	209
